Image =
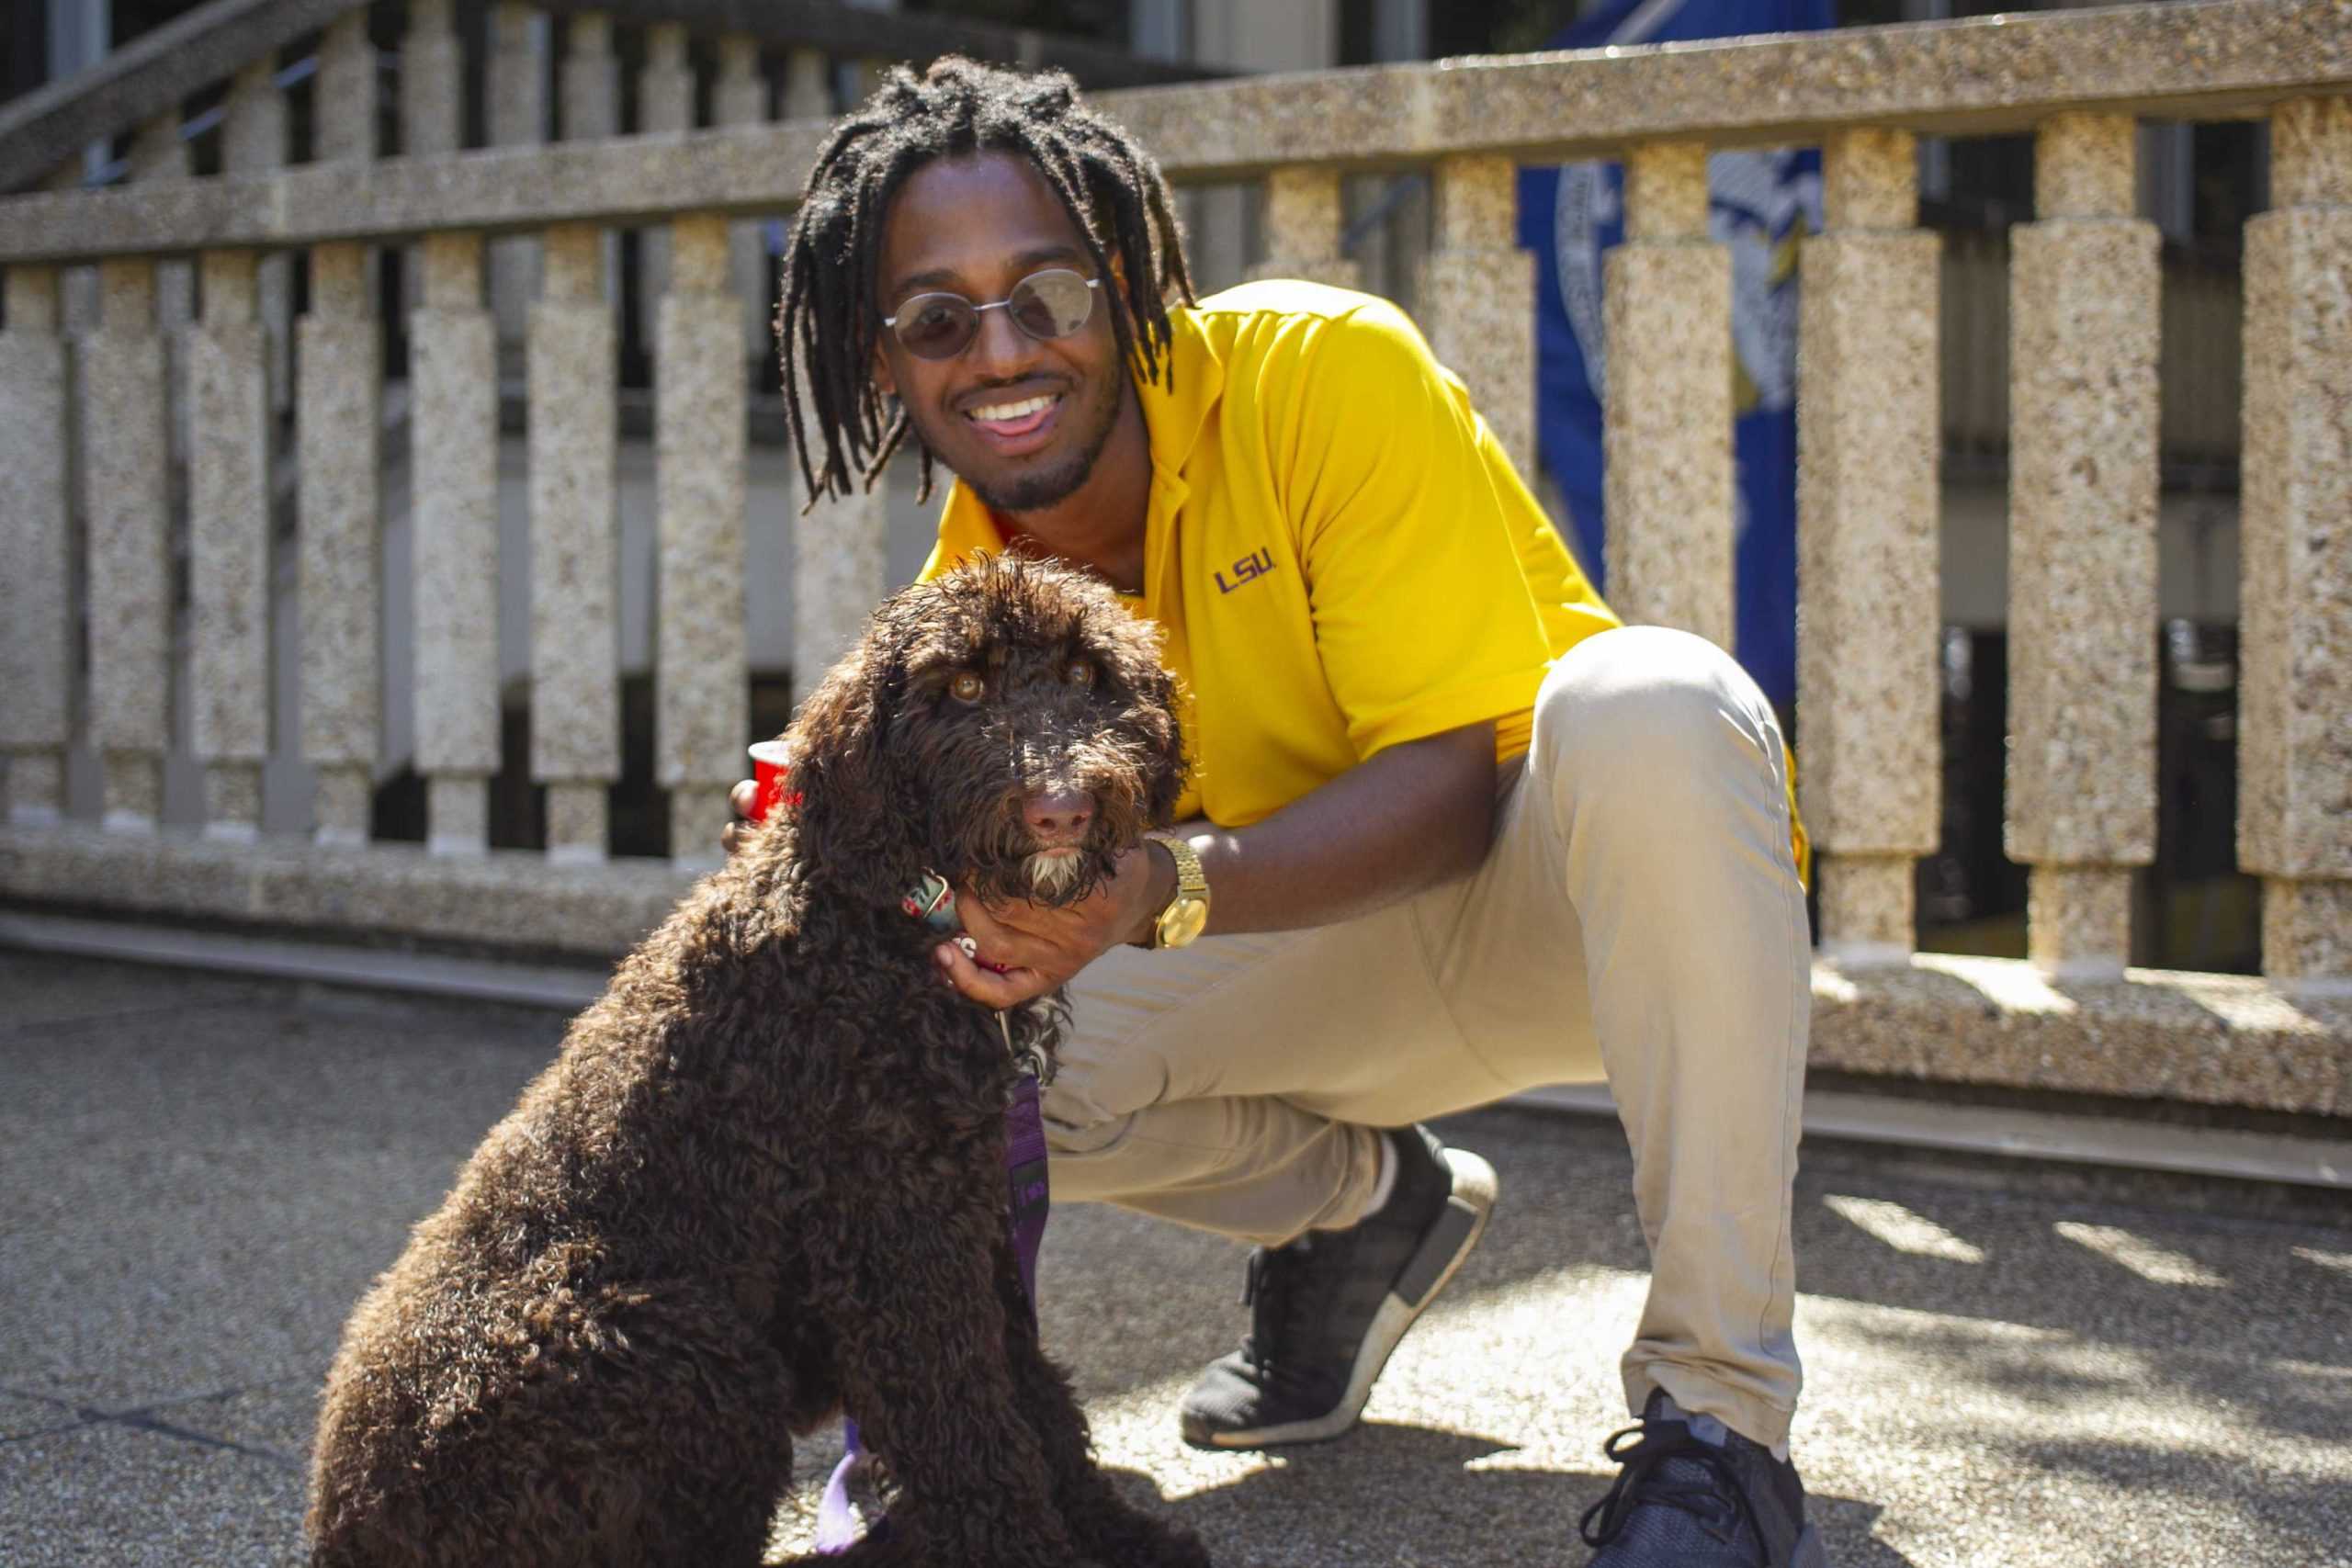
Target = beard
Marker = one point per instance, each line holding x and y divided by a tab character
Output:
1036	490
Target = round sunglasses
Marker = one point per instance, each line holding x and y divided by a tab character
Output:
1046	305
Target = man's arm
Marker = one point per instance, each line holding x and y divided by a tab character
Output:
1414	815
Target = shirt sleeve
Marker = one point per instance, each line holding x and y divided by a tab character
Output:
1422	617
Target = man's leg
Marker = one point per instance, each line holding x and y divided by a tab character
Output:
1647	847
1650	839
1236	1086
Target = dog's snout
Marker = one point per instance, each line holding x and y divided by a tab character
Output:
1058	815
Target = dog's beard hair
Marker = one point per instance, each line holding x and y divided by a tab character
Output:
1053	873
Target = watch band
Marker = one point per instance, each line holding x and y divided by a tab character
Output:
1187	910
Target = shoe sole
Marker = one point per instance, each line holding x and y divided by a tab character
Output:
1429	1270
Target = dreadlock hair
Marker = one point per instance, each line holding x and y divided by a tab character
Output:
829	318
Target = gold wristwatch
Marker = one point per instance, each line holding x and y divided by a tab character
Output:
1188	909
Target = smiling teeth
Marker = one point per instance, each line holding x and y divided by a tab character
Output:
996	414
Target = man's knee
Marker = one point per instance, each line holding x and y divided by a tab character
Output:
1097	1090
1650	702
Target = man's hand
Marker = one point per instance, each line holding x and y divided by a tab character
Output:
1040	947
745	794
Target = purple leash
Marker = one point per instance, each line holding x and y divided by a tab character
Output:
1028	1200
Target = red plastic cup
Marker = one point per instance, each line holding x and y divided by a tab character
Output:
771	766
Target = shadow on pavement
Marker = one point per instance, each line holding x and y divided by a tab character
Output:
1406	1495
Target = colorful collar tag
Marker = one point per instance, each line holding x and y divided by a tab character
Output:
933	903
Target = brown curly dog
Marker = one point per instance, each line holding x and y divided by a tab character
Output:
764	1179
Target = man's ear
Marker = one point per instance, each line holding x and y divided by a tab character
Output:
887	383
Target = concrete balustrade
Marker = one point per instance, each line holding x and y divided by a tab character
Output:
588	107
575	693
126	499
432	107
1478	296
1868	433
453	509
253	141
339	536
665	106
518	115
35	585
158	157
740	98
2081	791
2085	317
229	530
1666	432
2295	594
345	104
701	685
1304	220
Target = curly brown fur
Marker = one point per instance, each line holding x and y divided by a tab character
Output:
763	1181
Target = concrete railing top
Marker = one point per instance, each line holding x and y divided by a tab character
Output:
854	33
147	77
153	74
2217	59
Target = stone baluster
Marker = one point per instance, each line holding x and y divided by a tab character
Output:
665	106
338	439
345	111
591	97
590	102
702	716
2081	792
158	155
1869	433
126	497
517	117
35	630
739	96
432	76
1304	220
253	141
229	544
1477	294
345	104
575	693
2295	627
1665	433
453	371
432	107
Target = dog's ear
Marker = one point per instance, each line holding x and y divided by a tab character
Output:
1154	713
840	772
1167	747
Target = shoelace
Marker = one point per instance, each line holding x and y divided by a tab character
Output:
1642	1481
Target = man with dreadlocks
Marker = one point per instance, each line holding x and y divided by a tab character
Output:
1453	832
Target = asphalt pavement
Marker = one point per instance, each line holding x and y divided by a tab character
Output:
2007	1363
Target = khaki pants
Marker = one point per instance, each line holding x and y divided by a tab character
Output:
1638	918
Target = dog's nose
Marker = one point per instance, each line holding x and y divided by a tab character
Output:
1058	814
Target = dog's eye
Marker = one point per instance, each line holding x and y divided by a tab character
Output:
1079	672
966	687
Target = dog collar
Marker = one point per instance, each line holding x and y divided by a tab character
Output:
933	902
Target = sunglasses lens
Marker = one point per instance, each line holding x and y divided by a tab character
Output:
1052	304
936	326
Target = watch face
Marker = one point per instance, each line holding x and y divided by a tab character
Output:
1183	920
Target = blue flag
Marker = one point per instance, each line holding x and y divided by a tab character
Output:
1761	204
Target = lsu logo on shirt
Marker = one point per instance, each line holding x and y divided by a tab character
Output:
1246	570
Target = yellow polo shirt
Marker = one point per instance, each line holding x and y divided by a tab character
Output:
1339	553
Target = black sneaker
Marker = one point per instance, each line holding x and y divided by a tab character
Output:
1330	1306
1694	1493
